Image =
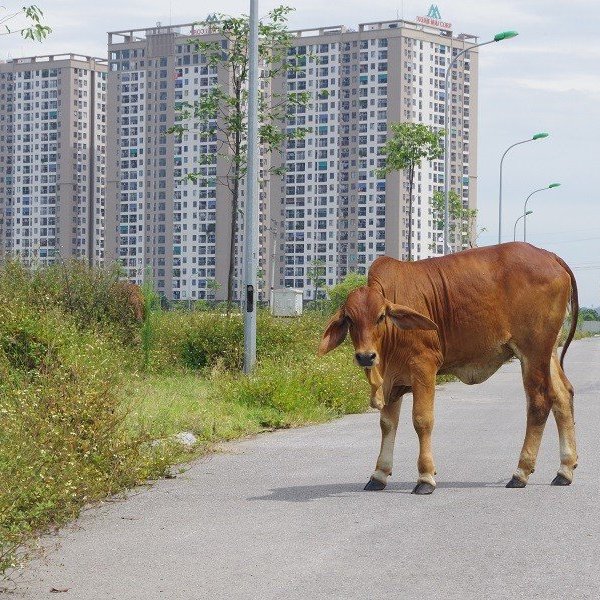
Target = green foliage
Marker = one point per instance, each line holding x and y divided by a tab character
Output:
338	293
405	149
78	417
151	304
462	218
35	29
409	144
589	314
204	340
315	273
213	286
297	390
219	116
93	296
62	441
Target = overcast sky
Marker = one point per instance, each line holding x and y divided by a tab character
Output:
546	79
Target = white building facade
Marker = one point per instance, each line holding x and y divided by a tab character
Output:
330	211
52	158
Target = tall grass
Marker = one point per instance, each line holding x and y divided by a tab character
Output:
151	304
65	345
85	387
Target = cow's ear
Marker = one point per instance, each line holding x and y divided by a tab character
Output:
407	318
335	333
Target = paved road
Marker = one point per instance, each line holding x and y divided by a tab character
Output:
283	516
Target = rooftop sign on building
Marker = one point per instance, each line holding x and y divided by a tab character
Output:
434	18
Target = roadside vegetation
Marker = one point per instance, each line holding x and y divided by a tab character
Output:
91	396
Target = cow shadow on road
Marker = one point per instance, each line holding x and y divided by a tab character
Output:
306	493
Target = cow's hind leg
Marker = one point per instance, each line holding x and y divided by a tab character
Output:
540	399
562	409
388	420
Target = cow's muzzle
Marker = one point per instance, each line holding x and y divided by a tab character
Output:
366	359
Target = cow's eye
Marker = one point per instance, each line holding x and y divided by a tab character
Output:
381	318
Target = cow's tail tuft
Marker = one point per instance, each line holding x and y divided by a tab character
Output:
574	309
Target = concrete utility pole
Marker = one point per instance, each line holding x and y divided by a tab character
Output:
252	199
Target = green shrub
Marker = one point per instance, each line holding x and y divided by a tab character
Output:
63	439
338	293
71	433
291	392
93	296
202	340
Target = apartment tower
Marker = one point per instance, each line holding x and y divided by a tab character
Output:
52	158
331	207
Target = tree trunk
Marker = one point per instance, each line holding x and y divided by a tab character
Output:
235	197
234	215
411	174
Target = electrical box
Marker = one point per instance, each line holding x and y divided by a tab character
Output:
286	302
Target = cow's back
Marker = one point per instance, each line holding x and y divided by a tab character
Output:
484	300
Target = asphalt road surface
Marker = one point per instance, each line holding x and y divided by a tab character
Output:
283	515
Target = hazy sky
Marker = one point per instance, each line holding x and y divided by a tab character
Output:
546	79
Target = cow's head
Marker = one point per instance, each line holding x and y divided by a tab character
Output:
366	314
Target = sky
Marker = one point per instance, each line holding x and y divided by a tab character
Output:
546	79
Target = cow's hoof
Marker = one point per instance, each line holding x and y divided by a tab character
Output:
515	482
374	485
423	488
560	480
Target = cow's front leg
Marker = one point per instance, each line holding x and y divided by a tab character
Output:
388	420
423	397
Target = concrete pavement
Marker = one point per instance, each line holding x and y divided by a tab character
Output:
283	515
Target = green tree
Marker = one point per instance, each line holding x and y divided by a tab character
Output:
315	273
339	292
219	116
462	218
589	314
34	29
212	287
405	149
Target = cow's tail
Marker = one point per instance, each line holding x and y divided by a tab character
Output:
574	309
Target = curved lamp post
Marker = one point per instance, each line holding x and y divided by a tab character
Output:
523	216
537	136
525	212
504	35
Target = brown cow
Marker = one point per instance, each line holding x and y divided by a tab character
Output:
464	314
133	299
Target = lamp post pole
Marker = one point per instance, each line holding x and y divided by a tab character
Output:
537	136
447	121
525	212
523	216
251	205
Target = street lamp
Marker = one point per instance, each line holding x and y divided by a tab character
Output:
252	192
504	35
521	217
537	136
525	213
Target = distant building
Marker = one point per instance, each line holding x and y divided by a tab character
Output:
52	158
330	206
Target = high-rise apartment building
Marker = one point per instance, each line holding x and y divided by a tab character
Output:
52	158
331	208
159	223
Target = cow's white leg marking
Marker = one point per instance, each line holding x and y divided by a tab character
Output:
562	409
388	421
